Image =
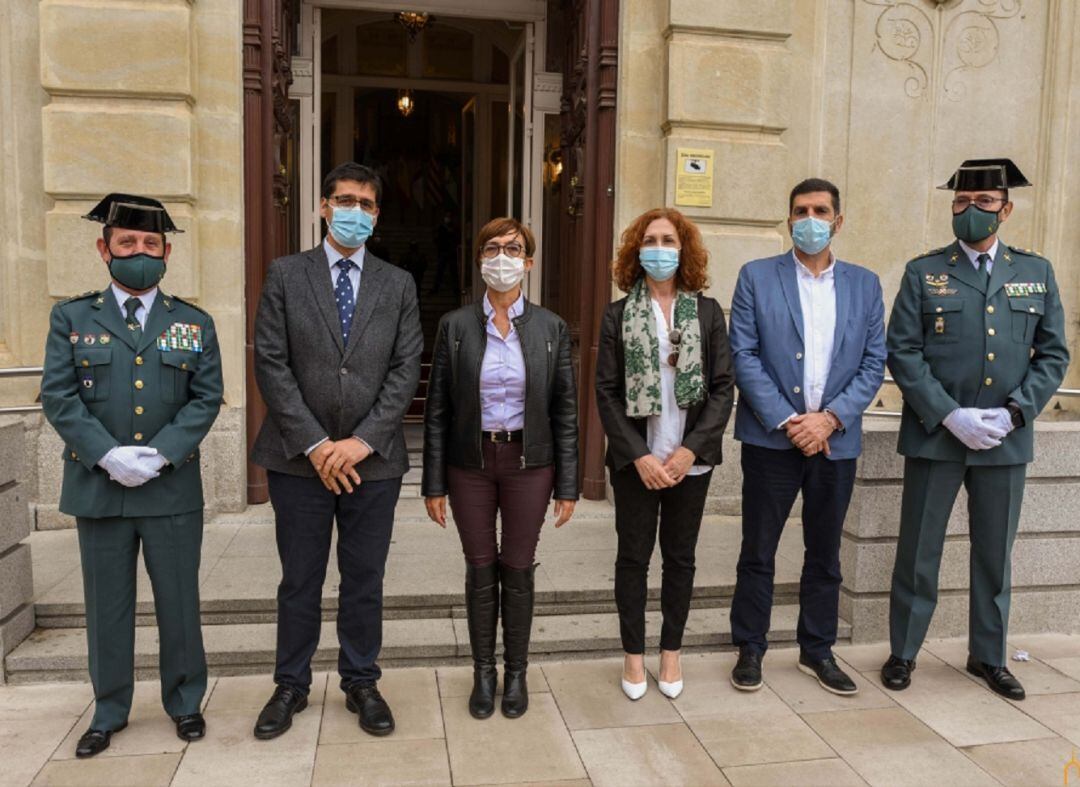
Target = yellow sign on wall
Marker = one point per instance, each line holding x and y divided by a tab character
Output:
694	178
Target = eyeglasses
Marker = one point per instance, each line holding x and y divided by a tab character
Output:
983	202
512	249
675	337
348	201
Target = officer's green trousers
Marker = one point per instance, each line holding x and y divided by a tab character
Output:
110	551
994	498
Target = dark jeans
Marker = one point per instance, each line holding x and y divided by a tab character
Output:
638	510
771	481
304	514
502	487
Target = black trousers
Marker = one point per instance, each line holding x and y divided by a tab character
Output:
638	511
304	514
771	481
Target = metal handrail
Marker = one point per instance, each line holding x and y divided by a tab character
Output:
21	371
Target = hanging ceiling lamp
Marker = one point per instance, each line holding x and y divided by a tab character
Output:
413	21
405	102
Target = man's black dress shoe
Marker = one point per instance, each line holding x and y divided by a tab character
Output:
747	673
828	674
95	741
365	701
896	673
191	727
276	715
999	679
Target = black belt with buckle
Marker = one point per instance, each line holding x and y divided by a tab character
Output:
504	436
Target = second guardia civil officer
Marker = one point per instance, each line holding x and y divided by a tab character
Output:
977	346
132	384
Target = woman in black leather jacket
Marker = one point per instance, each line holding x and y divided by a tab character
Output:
501	437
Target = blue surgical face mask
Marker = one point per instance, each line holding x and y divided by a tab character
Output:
659	262
351	227
811	234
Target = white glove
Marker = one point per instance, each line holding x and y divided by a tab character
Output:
999	417
128	465
967	424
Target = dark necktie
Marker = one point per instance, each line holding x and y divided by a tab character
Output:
343	294
131	305
984	265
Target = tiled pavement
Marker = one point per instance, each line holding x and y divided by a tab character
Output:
947	729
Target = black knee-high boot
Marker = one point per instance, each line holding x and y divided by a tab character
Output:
518	591
482	608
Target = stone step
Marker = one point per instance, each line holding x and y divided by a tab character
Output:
237	649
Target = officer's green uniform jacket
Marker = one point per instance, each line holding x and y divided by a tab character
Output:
956	340
101	389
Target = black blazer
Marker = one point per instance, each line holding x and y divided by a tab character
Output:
705	422
452	414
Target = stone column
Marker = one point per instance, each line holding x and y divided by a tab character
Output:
16	580
1046	557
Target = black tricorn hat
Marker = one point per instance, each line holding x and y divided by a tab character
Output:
986	174
132	212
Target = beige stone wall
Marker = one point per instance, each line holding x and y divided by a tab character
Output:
115	95
884	98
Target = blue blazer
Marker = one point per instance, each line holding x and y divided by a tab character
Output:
767	345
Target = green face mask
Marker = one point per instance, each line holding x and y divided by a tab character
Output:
974	224
137	272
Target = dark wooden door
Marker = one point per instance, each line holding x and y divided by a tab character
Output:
586	248
270	138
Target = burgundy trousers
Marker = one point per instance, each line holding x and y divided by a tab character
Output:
505	490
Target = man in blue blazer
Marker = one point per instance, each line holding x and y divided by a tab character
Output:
808	338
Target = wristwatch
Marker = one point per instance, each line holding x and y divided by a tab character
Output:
1016	414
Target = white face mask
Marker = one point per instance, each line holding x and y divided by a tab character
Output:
503	273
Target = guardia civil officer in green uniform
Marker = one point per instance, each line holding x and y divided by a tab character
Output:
132	383
976	344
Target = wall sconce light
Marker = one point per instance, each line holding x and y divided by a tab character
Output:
413	22
405	102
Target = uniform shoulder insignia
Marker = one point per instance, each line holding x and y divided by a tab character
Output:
1027	252
85	295
189	304
930	253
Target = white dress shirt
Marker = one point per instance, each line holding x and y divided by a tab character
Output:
333	256
817	299
664	432
502	374
146	299
973	255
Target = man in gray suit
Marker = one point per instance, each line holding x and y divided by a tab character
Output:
337	360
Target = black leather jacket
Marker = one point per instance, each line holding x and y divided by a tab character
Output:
452	415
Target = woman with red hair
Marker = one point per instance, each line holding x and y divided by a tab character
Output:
664	387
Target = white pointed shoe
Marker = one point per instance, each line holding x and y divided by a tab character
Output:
635	691
670	690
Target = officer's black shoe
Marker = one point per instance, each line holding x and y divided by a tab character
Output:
191	727
276	715
999	679
747	673
828	674
896	673
518	587
95	741
365	701
482	607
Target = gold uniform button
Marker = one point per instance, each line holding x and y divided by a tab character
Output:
86	363
138	385
1031	308
990	309
183	366
990	356
138	435
74	455
139	410
939	310
988	381
991	331
138	360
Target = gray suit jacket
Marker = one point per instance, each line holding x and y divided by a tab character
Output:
314	386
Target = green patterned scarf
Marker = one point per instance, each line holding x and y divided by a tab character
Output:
642	353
